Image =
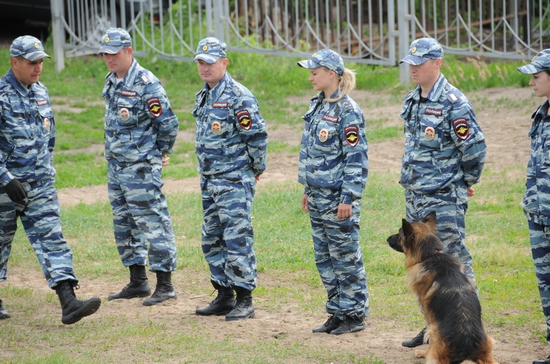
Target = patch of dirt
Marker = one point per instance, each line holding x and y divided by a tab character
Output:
504	115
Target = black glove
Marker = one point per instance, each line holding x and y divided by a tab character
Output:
15	191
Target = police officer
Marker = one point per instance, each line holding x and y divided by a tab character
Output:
27	175
444	152
333	168
536	200
140	131
231	146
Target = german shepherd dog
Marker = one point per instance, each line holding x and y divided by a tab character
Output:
447	297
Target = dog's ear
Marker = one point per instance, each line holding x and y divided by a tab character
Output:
408	230
430	220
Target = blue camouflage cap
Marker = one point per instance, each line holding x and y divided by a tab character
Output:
539	63
324	58
28	47
210	50
114	40
421	50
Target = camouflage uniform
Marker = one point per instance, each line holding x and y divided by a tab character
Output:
27	139
536	200
140	127
333	168
231	147
444	156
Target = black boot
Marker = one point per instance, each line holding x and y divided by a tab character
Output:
164	290
244	308
349	325
415	341
72	308
3	312
332	323
221	305
138	286
543	361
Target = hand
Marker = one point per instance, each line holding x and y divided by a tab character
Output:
471	192
303	202
165	160
15	191
344	211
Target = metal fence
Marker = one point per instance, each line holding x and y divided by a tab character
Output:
364	31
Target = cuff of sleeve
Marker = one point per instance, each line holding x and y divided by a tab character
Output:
346	199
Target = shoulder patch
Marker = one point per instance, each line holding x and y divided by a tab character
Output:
461	128
155	107
352	135
245	121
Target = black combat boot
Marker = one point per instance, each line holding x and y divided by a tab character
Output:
332	323
74	309
163	291
351	323
3	312
543	361
415	341
221	305
244	308
138	286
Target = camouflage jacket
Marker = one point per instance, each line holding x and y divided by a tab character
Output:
444	144
536	200
27	131
333	152
231	136
139	122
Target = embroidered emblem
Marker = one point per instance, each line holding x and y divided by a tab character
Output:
429	133
220	105
204	48
352	135
42	102
461	127
144	78
47	124
36	45
245	121
323	135
124	114
413	50
155	108
431	111
128	93
107	39
332	119
216	127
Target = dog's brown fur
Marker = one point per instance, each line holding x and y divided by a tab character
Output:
446	296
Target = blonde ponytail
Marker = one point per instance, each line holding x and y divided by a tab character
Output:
346	85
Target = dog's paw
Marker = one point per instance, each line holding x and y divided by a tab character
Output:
420	353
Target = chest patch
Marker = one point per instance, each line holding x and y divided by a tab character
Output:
429	133
216	128
332	119
220	105
124	114
155	107
245	121
128	93
431	111
461	128
352	135
323	135
42	102
47	124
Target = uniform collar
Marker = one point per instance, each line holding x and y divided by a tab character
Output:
10	76
217	90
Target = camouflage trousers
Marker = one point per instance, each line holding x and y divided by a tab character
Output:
140	215
338	253
227	234
40	218
450	207
540	249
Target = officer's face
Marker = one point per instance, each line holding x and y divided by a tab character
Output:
426	73
212	73
120	62
541	84
323	79
27	72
